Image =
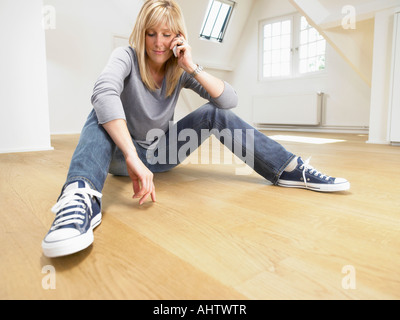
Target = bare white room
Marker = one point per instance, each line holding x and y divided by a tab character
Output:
317	77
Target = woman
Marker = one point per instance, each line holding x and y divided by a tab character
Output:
136	93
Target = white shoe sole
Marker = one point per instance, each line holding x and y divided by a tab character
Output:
71	245
316	186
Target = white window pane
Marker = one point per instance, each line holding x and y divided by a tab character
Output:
285	55
303	66
267	57
276	70
285	69
267	30
304	37
276	29
267	70
211	18
312	35
312	49
285	41
267	44
276	56
207	29
220	21
312	65
321	47
276	42
321	63
286	27
304	23
303	52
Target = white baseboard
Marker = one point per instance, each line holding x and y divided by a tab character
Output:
321	129
20	150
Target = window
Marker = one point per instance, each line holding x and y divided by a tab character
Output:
312	49
290	47
217	19
277	48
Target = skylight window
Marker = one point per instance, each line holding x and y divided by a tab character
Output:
217	19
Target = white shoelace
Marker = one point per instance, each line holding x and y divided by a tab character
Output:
306	167
73	198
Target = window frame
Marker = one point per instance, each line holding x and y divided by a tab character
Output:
221	35
295	19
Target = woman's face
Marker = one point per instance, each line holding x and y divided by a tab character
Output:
158	42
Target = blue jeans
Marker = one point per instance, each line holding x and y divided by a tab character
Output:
97	155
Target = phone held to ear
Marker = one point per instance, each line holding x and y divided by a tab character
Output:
174	48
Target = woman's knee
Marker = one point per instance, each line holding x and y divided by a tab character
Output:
214	112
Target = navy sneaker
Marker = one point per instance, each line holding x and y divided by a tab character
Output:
305	176
77	214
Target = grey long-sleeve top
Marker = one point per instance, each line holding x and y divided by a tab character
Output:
119	93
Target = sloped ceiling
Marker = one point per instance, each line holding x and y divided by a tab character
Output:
328	13
354	45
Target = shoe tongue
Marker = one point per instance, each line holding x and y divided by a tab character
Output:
75	185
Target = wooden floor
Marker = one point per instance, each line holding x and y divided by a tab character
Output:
212	234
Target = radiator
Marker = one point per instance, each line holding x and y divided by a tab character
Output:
290	109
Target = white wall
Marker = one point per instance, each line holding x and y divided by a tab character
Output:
24	119
381	72
78	50
394	104
348	96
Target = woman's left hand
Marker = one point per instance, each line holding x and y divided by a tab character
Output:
184	54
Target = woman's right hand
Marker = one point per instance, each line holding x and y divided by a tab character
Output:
142	179
141	176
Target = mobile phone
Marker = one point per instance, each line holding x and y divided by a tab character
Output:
174	48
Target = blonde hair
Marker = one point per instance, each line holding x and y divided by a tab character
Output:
152	14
